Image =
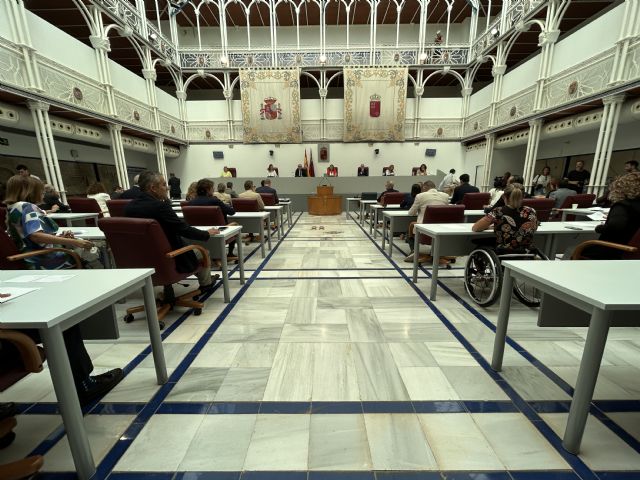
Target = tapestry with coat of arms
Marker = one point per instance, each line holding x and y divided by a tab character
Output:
374	104
270	106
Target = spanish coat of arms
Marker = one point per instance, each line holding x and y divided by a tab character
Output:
270	110
374	105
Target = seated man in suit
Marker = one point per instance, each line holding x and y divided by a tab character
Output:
265	187
154	203
389	171
363	171
230	191
464	187
429	196
300	171
388	188
205	198
250	192
133	192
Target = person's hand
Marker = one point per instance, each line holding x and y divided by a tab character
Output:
5	295
213	231
85	244
67	234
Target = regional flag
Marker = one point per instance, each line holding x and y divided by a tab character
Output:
311	171
306	161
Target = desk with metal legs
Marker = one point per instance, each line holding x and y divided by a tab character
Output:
363	205
579	284
398	221
93	290
456	239
351	200
255	222
77	219
277	210
375	213
287	206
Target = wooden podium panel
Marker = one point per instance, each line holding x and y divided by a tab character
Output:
325	202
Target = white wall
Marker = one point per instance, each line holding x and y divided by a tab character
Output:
521	77
595	37
128	82
5	27
438	108
252	160
481	99
473	165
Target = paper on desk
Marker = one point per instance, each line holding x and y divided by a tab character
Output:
14	292
79	232
598	216
40	278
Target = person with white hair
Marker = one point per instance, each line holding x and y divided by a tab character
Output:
133	192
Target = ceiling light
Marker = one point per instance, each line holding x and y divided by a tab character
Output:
223	59
323	58
423	57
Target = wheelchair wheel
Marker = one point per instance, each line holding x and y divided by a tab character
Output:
483	277
527	294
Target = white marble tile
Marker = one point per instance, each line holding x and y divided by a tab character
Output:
532	384
187	334
363	326
33	388
427	383
601	449
268	317
118	354
331	315
220	355
161	445
102	430
138	386
412	355
306	288
291	374
605	389
473	383
302	310
279	442
252	355
30	431
451	354
314	333
220	444
243	385
457	443
247	333
198	385
517	443
174	353
416	332
397	442
378	376
339	443
334	373
629	421
353	288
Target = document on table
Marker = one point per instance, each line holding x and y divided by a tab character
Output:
40	278
13	292
598	216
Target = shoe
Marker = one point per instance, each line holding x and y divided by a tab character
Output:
98	386
409	259
424	258
8	410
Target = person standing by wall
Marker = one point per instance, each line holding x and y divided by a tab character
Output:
174	187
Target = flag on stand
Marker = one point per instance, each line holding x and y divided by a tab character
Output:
312	172
306	161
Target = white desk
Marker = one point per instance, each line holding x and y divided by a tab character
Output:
581	212
455	239
277	217
216	245
255	222
473	215
67	304
73	217
363	204
374	209
398	221
351	200
580	284
286	203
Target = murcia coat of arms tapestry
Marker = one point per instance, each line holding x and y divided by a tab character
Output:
270	106
374	104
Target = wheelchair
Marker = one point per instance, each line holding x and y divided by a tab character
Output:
483	276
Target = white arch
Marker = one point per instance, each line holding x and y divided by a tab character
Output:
445	72
194	75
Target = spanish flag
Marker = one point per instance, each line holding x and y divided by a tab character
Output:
311	171
306	162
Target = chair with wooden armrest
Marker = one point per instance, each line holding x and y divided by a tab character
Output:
12	259
141	243
19	356
116	206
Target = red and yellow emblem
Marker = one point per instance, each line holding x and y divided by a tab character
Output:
270	109
374	105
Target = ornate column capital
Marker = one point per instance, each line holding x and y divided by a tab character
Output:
37	105
228	93
114	127
548	37
466	91
323	92
535	122
100	43
158	141
181	95
498	70
489	136
419	91
612	99
149	74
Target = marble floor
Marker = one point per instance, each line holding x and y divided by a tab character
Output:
330	363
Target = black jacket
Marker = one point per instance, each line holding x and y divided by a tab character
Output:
459	192
363	172
133	192
268	190
623	221
300	172
50	200
393	190
213	202
174	187
147	206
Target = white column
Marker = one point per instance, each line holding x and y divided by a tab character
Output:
228	97
628	31
323	112
118	155
498	73
150	77
416	119
604	146
47	146
535	127
547	40
488	160
466	98
181	95
19	26
162	165
102	47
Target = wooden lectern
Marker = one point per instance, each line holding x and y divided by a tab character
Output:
325	202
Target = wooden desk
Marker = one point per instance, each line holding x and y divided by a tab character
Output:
325	202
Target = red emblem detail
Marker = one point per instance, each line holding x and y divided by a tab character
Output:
270	110
374	105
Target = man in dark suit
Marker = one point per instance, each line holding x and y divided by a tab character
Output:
464	187
388	188
154	203
300	171
363	171
133	192
205	198
265	187
174	187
